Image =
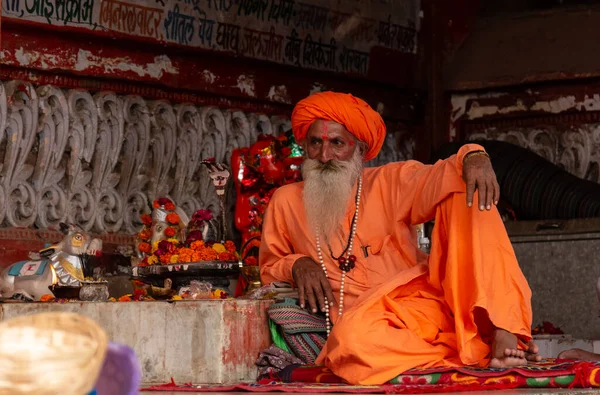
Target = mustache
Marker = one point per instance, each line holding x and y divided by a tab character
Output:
332	165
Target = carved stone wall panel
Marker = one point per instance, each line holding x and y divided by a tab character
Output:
21	198
98	159
577	150
399	146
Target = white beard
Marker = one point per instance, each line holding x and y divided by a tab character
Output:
327	190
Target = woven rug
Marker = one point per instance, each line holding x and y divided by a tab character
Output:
547	374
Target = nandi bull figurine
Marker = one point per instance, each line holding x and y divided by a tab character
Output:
59	264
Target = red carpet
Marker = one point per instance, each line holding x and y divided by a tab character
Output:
548	374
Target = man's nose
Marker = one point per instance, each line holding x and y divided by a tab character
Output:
326	153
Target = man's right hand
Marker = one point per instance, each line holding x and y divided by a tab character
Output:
312	284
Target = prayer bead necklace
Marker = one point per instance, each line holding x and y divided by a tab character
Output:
346	263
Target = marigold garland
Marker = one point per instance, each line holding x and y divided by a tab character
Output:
173	218
251	261
145	234
197	245
170	251
144	247
170	231
230	246
147	220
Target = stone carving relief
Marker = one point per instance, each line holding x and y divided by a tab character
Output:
576	150
398	146
99	159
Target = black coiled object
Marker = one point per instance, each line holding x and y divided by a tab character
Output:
533	187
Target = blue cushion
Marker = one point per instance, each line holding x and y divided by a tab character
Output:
15	270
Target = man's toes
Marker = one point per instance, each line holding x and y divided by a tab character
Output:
514	353
532	347
507	362
533	357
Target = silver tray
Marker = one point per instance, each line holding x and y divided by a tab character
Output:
187	268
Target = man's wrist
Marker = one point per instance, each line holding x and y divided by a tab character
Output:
303	259
475	153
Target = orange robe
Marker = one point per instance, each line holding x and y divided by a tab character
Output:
402	308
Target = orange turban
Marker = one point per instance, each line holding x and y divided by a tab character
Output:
355	114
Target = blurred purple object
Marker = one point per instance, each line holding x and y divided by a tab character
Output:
121	373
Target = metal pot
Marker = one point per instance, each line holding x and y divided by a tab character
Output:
94	291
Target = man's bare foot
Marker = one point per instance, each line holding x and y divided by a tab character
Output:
532	352
579	355
505	351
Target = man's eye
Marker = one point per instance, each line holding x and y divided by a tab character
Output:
337	142
315	142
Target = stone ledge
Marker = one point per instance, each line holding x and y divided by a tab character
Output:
208	341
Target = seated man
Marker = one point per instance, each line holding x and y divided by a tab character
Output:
345	237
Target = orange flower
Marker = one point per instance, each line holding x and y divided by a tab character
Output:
226	256
208	254
197	245
230	245
46	298
173	218
155	204
185	255
144	247
125	298
255	243
145	234
250	245
251	261
166	259
147	219
170	231
169	206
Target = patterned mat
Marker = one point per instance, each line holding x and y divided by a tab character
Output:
547	374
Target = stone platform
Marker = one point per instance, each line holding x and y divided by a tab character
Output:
541	391
552	345
207	341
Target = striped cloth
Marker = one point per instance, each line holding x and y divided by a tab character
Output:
304	333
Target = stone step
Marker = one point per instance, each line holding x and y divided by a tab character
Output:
204	341
552	345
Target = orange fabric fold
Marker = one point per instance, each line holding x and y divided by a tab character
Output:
354	113
444	315
402	308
